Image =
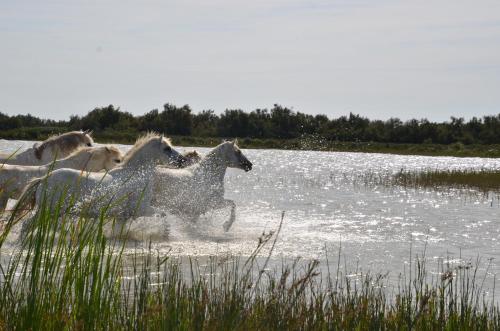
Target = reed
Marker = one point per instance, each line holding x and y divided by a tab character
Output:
66	274
484	180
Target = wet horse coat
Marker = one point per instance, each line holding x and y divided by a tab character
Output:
56	147
13	178
124	191
193	191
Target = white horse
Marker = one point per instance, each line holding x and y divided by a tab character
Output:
13	178
194	190
123	192
56	147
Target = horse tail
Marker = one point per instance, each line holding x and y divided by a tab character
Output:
28	196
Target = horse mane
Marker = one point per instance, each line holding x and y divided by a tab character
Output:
83	149
217	148
139	143
66	141
113	148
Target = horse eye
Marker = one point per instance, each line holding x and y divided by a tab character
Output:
118	161
89	144
168	149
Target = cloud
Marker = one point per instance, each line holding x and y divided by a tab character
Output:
379	59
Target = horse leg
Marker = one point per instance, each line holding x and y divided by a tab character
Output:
192	218
229	203
147	212
25	227
4	198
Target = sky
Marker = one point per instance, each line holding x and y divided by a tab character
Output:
379	59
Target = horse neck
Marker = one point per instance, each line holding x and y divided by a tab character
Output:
213	165
76	161
140	161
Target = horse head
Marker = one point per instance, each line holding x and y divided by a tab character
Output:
86	138
156	148
234	157
105	157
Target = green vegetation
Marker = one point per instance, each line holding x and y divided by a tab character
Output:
483	180
67	275
278	127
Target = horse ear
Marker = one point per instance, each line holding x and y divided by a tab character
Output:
235	141
107	149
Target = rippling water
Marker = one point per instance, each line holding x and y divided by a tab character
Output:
327	204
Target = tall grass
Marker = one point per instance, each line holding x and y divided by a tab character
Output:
66	274
483	180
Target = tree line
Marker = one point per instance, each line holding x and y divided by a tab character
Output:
278	122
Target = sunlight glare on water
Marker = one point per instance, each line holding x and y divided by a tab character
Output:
326	205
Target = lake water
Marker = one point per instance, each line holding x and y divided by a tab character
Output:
329	201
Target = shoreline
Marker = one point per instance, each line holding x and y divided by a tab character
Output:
315	144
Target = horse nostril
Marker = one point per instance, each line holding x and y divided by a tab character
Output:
247	166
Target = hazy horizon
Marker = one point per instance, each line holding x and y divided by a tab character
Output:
380	60
196	111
